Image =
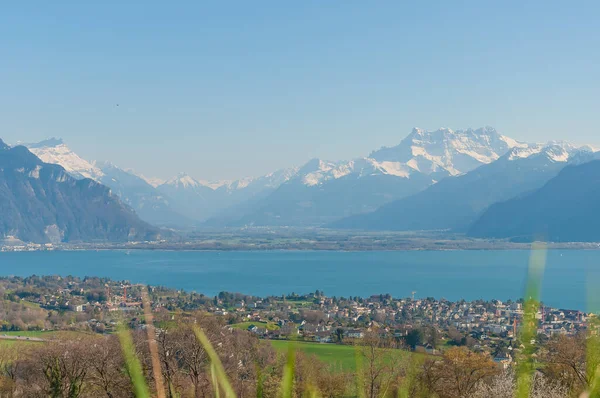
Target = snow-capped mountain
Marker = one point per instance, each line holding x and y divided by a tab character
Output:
43	203
183	181
201	199
448	152
55	151
151	205
466	196
322	191
154	181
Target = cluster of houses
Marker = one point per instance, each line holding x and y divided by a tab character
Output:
483	325
487	324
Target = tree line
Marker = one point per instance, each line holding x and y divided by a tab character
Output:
92	365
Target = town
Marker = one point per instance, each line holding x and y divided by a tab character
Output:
423	324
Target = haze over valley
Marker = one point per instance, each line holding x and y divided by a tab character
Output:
443	180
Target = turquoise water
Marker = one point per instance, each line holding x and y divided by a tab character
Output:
569	275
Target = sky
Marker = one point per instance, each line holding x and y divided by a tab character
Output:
223	90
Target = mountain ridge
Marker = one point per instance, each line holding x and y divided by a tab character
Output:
41	202
455	202
565	209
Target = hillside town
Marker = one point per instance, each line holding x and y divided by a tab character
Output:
422	324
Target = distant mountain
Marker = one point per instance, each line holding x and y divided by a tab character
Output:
445	152
150	204
41	202
201	200
456	202
565	209
54	150
189	196
323	191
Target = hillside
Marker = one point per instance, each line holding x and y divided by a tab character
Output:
150	204
566	209
41	202
455	202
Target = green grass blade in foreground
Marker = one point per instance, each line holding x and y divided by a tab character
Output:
213	375
134	367
360	376
287	383
593	338
216	364
525	365
411	375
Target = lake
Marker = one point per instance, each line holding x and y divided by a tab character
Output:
568	278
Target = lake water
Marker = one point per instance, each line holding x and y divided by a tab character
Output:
569	278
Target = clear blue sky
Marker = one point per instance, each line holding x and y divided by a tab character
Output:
228	89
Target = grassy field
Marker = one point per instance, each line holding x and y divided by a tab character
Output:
35	333
46	335
340	357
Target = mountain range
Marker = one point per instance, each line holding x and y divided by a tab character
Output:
322	191
41	202
456	202
432	180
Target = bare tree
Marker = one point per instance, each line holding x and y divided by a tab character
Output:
383	364
58	369
107	376
458	372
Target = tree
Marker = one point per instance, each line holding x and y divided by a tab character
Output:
504	385
413	338
572	360
339	333
59	369
458	372
107	375
383	364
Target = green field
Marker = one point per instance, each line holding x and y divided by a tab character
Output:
45	335
35	333
340	357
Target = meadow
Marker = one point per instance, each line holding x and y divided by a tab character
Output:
339	357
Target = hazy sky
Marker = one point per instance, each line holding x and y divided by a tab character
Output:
231	89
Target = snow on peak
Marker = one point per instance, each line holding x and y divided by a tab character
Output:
183	180
56	151
214	184
556	151
154	181
317	171
448	151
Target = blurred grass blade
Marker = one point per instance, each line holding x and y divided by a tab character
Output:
260	382
411	375
213	375
526	366
216	364
287	383
360	376
134	367
151	333
593	339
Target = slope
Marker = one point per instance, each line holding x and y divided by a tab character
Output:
455	202
41	202
566	209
